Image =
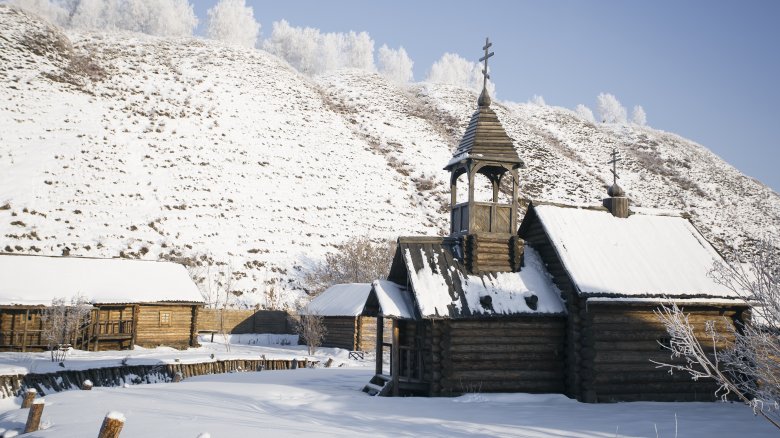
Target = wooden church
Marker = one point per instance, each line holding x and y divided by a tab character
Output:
562	303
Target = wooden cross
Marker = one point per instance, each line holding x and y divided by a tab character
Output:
485	75
613	162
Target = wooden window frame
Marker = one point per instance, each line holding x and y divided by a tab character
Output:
165	318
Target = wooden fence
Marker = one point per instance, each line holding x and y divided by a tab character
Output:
14	385
245	321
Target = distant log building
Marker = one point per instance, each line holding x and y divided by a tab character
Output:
349	314
132	302
563	303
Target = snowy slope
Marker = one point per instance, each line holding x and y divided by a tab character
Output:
130	145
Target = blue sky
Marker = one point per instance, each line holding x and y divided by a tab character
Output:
707	70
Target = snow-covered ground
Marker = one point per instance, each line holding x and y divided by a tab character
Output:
328	402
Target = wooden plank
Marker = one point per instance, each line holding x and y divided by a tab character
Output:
395	357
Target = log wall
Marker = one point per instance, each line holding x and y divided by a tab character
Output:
245	321
152	331
534	235
342	332
20	329
16	385
620	340
519	354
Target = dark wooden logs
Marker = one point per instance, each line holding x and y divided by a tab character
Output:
112	425
34	417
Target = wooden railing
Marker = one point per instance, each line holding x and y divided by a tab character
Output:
113	327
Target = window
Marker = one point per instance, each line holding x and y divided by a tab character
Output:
165	319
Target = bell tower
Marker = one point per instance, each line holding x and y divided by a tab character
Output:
487	229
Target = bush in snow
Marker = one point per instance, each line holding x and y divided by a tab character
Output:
585	113
311	328
749	368
312	53
455	70
638	116
358	260
609	108
395	64
232	21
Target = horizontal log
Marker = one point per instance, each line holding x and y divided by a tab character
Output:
540	338
551	355
553	331
526	322
701	386
512	348
536	386
659	397
503	375
505	365
649	316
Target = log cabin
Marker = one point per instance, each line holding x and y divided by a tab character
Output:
133	302
615	267
563	303
349	313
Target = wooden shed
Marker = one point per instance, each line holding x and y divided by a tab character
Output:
614	272
133	302
349	316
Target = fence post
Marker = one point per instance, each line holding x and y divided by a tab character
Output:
29	396
34	417
112	425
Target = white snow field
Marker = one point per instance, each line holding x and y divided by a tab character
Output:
328	402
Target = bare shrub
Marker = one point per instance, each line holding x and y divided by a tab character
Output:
358	260
62	321
750	368
310	327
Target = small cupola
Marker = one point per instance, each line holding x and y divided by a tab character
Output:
617	202
486	155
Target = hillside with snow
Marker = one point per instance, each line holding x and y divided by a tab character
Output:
127	145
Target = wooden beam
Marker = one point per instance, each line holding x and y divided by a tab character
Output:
395	357
136	310
24	330
380	326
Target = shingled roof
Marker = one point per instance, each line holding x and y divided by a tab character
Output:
485	139
441	286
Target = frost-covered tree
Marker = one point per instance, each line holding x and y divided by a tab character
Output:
456	70
749	368
609	108
153	17
358	260
312	52
537	100
638	116
54	11
585	113
395	65
61	322
233	22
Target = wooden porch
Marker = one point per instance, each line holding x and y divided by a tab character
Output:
405	375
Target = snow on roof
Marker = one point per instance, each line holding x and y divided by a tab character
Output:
340	300
36	280
641	255
443	287
508	290
393	299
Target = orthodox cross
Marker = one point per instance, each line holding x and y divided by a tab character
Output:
614	162
485	75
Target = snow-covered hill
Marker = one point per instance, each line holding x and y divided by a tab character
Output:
129	145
